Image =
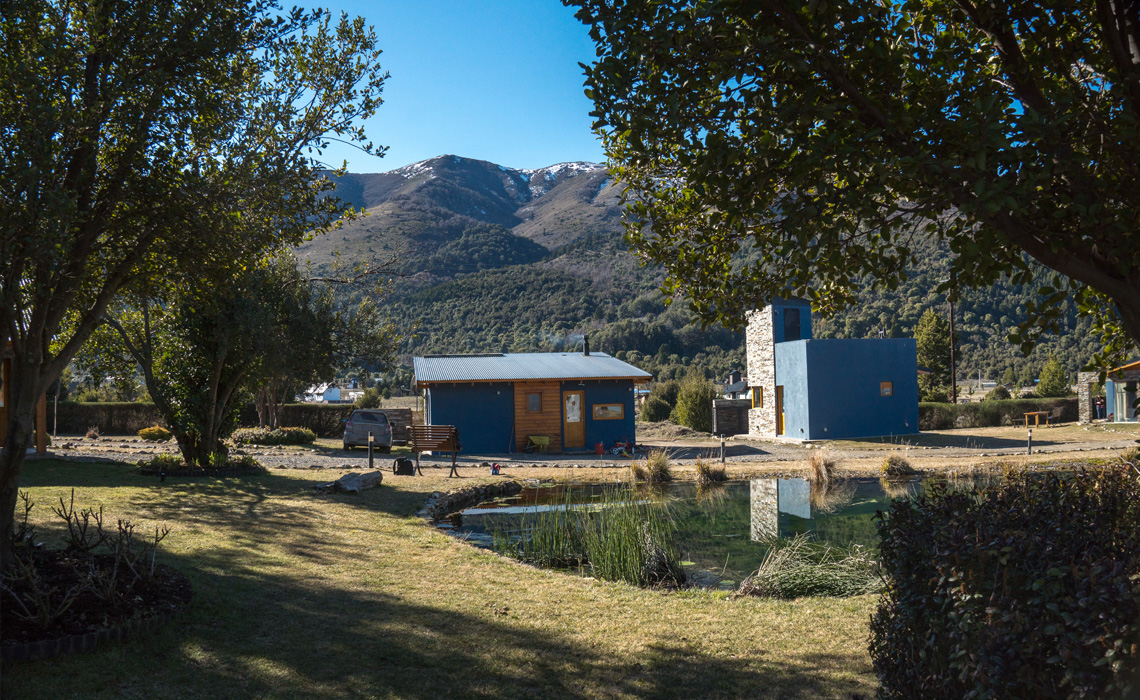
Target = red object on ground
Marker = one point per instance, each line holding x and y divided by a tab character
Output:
599	448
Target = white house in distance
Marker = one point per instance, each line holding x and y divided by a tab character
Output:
322	393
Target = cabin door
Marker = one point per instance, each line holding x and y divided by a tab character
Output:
779	410
573	421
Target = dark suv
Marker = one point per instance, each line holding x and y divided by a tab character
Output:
364	421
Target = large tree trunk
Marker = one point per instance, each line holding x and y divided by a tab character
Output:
23	396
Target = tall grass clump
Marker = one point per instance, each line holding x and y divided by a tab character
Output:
621	538
658	467
796	567
631	540
709	473
823	467
549	538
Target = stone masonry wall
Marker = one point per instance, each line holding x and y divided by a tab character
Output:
1085	380
760	354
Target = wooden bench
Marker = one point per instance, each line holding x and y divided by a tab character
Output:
1055	416
435	438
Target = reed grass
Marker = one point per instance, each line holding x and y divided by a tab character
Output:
823	467
624	537
796	567
709	473
658	467
548	539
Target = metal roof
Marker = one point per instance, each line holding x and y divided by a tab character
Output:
533	365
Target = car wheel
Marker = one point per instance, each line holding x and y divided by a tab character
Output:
347	447
386	449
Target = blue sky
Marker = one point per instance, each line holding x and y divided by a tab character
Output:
496	80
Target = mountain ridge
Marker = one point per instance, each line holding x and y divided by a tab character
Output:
492	258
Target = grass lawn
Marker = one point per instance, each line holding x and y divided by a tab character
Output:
300	595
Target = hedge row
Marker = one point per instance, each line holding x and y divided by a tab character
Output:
112	418
1028	589
989	414
127	418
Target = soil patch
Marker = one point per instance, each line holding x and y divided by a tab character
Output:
66	573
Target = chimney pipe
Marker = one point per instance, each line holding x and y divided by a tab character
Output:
586	345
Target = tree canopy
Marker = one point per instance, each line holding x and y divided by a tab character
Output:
130	135
802	148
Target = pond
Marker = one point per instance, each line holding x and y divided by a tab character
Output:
724	528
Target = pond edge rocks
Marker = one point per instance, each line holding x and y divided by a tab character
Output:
440	505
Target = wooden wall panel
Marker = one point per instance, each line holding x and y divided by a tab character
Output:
546	422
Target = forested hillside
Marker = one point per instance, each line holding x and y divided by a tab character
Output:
495	259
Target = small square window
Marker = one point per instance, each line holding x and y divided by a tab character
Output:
534	403
886	388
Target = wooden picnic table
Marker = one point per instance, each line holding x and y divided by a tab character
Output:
1036	418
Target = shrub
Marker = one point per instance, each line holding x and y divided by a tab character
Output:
666	391
987	414
280	436
1053	381
163	462
998	393
694	403
1026	589
155	433
655	409
369	399
896	465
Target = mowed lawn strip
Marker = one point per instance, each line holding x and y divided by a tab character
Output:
300	595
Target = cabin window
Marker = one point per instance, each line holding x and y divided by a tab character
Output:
757	397
534	402
609	411
886	388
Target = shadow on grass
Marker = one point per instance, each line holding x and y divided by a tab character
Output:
232	501
249	634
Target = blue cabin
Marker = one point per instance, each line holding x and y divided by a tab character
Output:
498	401
809	389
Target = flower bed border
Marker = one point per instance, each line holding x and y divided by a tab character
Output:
82	643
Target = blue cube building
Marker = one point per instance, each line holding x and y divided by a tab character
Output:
808	389
498	400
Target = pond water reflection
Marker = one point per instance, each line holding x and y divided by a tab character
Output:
724	528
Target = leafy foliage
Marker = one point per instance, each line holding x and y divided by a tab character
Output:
147	141
998	393
1053	380
801	149
155	433
1027	589
989	414
278	436
694	403
932	337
